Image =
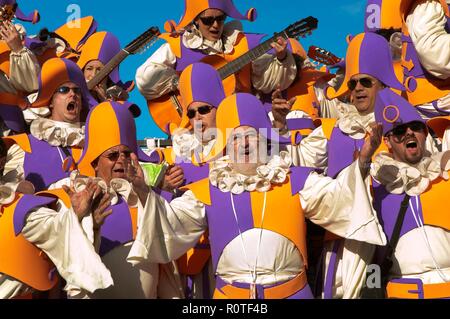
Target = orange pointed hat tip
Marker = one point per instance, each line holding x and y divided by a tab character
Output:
194	7
170	26
76	32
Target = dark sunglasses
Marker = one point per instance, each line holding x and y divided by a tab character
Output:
66	90
204	109
114	156
399	131
209	21
366	82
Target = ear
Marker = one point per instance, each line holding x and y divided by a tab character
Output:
387	142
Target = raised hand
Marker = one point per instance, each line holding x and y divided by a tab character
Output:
82	201
135	175
100	204
280	47
173	179
371	144
280	109
11	36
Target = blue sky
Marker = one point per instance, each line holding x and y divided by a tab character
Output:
130	18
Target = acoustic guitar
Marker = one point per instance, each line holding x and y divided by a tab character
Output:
140	44
168	108
322	56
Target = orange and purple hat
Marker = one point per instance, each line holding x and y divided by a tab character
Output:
103	46
194	7
110	124
382	14
33	17
393	110
200	82
368	53
77	32
439	125
58	71
243	109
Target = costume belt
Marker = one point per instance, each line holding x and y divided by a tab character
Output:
411	288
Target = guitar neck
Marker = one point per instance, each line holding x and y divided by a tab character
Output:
236	65
107	69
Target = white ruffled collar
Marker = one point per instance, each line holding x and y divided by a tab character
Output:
227	180
8	186
117	187
355	124
185	143
193	39
400	177
58	133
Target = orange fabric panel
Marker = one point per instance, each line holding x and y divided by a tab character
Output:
195	259
327	127
435	204
19	258
407	291
91	49
59	194
5	51
200	190
21	139
134	220
174	43
292	223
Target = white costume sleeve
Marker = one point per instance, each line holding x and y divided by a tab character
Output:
24	71
426	26
168	230
343	205
157	75
11	288
328	108
268	73
60	235
312	150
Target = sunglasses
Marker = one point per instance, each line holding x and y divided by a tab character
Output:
399	131
204	109
209	21
366	82
114	156
66	90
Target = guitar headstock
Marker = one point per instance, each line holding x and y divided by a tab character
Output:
322	56
144	41
301	28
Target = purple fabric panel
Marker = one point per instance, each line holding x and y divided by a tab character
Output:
411	55
221	220
375	48
117	229
91	31
110	47
300	124
370	13
331	271
447	26
193	173
341	149
41	172
34	43
206	85
7	2
13	118
22	16
25	204
188	57
298	177
403	112
387	206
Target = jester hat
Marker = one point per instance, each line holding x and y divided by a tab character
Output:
77	32
194	7
110	124
382	14
58	71
243	109
200	82
393	110
103	46
33	17
367	53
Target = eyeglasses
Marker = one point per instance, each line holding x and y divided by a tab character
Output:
204	109
65	90
209	21
114	156
399	131
366	82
